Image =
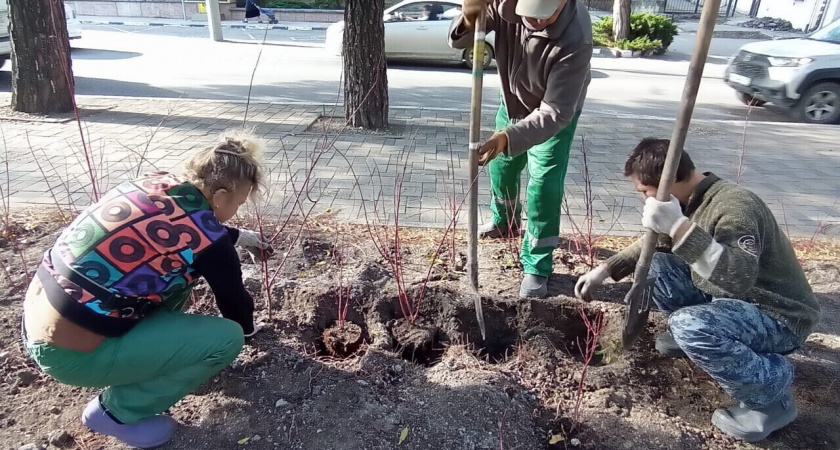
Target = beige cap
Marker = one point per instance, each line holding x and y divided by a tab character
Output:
537	9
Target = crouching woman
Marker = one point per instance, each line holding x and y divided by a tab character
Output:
106	307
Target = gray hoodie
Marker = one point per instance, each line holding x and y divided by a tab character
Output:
544	74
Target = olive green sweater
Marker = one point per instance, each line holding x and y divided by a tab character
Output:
736	250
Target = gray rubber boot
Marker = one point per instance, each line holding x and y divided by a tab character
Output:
755	425
492	231
666	345
533	286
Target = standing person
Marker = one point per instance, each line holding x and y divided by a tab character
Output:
252	9
105	309
736	297
543	50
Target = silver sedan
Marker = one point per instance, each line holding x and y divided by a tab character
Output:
417	30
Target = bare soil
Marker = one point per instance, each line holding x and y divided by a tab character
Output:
435	382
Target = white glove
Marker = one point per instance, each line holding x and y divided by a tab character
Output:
592	280
255	244
663	217
257	327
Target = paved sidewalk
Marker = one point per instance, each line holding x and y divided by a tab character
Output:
155	22
793	167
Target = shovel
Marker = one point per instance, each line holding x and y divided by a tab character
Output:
475	136
639	298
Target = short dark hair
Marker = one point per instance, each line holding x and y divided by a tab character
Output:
648	159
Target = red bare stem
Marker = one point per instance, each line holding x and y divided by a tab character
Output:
502	431
418	301
589	349
70	84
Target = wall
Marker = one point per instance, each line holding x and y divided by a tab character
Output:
799	13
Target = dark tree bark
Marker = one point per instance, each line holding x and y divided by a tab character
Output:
621	19
365	68
42	77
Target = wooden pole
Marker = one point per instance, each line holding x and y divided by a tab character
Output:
475	143
638	299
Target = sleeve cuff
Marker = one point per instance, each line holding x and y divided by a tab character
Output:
693	245
234	234
620	266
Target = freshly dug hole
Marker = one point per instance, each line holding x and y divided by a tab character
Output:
417	342
342	342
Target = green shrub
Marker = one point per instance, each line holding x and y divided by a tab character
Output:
649	33
309	4
290	4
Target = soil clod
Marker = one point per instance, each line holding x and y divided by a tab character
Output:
343	341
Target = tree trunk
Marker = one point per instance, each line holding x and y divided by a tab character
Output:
365	69
42	77
621	19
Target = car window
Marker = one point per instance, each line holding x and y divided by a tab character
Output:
425	11
830	33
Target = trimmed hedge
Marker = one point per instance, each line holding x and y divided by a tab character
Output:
649	33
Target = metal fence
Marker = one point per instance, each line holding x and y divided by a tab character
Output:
727	7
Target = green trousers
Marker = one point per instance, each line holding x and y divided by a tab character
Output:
547	164
162	359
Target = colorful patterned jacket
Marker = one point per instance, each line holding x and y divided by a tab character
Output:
143	245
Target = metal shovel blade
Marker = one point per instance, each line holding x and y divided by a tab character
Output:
635	317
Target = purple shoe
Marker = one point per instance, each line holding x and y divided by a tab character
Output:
150	432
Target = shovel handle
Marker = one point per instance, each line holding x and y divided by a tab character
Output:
474	145
635	299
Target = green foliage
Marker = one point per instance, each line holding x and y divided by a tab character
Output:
643	44
649	33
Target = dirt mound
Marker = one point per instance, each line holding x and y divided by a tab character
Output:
430	380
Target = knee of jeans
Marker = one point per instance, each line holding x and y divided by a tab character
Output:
660	262
689	326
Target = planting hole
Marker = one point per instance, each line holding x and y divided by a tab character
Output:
418	342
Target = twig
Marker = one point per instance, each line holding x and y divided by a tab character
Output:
502	431
743	151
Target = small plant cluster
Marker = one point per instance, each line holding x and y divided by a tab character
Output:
584	240
649	34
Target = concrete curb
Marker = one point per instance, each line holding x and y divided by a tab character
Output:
204	25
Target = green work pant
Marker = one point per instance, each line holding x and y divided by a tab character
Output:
144	372
547	164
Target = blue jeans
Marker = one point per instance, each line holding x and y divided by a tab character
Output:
734	341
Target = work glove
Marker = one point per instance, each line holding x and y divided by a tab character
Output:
494	147
257	327
471	9
255	244
592	280
663	217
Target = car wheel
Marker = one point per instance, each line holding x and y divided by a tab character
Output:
749	100
488	57
820	104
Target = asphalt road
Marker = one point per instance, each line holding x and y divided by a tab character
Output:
292	66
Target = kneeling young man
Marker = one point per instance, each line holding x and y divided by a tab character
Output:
734	292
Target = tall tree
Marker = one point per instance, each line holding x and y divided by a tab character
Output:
365	69
621	19
42	77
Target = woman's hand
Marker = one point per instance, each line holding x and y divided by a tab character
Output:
256	245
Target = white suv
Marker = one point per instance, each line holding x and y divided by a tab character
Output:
802	75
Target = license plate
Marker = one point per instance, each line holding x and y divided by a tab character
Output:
739	79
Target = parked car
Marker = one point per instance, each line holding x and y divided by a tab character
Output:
418	30
801	75
74	29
